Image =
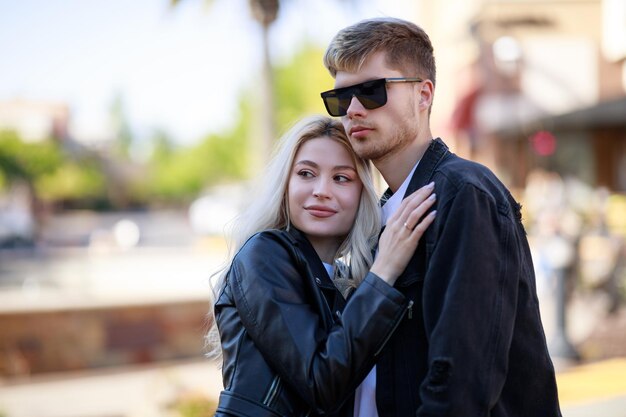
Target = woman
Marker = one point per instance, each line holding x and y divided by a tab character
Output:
291	344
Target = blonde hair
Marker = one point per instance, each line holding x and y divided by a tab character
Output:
407	47
269	209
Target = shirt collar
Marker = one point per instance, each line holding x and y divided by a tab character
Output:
394	201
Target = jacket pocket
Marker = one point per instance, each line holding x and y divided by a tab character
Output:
273	391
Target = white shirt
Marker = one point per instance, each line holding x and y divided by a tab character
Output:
330	269
392	205
365	395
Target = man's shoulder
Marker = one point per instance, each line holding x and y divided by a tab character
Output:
455	174
461	172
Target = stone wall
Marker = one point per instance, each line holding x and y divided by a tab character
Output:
35	342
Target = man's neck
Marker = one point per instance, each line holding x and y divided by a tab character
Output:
396	166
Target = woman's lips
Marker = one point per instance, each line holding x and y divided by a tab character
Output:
320	211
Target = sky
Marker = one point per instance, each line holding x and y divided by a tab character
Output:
179	70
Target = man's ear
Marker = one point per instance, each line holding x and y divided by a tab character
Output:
426	92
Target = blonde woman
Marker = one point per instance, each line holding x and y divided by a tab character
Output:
291	344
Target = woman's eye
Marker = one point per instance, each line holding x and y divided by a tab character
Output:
342	178
305	173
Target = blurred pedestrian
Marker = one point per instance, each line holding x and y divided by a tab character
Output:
291	344
474	345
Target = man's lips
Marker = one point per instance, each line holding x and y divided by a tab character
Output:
320	211
359	131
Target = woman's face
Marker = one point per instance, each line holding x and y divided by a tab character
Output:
324	191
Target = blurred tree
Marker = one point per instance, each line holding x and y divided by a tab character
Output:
298	86
177	175
75	182
265	13
27	161
23	163
121	127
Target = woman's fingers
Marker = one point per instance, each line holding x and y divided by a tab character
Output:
413	217
411	203
403	232
423	225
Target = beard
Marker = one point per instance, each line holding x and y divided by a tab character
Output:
377	148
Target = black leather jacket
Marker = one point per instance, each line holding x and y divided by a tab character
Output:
474	345
288	349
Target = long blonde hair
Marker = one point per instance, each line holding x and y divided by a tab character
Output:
269	207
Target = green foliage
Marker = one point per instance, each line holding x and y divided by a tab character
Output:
298	85
194	406
52	174
27	161
180	174
74	180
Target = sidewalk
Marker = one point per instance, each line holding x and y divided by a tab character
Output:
597	389
141	391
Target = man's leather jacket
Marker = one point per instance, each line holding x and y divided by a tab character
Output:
288	348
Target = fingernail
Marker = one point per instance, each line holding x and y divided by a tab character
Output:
432	196
431	185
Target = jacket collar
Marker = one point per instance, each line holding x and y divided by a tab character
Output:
425	170
423	174
312	259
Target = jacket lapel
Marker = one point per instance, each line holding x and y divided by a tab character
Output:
426	168
312	259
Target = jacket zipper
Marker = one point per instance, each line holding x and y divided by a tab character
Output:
273	391
409	309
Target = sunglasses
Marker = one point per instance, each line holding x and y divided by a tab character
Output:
371	94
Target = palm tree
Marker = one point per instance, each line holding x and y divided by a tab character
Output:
265	13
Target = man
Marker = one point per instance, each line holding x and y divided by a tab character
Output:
473	344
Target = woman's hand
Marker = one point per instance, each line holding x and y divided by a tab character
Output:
402	234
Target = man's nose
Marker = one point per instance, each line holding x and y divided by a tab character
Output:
355	108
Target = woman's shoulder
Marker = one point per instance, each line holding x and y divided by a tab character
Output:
267	256
264	244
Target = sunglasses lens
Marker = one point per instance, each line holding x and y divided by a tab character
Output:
371	94
335	106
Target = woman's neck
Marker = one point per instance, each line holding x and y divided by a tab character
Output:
325	248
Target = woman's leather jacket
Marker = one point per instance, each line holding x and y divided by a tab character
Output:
288	348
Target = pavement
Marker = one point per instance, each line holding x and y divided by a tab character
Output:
596	389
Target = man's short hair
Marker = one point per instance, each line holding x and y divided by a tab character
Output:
407	47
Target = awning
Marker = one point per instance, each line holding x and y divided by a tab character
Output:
605	114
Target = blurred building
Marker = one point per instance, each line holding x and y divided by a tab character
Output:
535	84
34	120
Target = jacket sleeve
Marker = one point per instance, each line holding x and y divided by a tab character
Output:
275	307
470	296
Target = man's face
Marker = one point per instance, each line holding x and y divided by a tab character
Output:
380	133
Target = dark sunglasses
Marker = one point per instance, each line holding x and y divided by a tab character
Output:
371	94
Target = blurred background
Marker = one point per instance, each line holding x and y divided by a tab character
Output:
130	131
